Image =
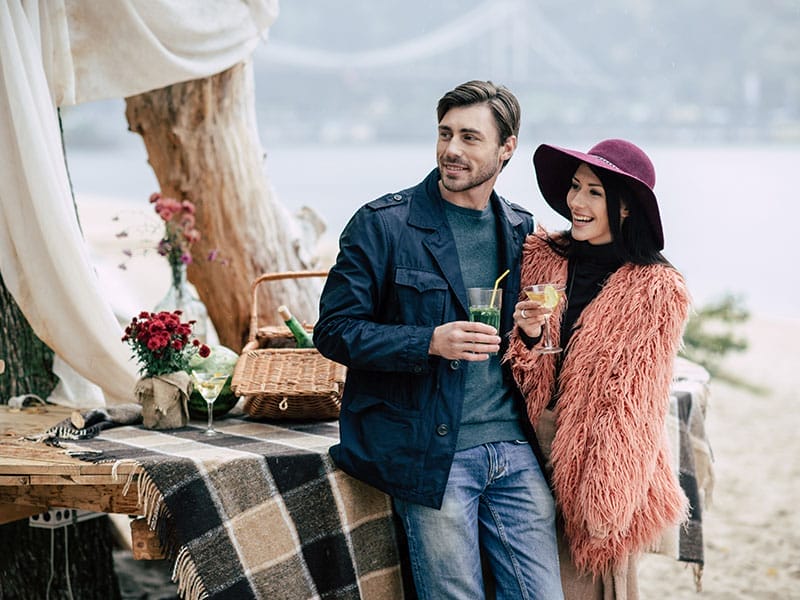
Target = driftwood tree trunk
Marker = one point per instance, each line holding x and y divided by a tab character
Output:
81	553
203	144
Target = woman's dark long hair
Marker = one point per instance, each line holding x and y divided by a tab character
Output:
633	238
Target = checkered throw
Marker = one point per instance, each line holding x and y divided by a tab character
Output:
692	462
260	512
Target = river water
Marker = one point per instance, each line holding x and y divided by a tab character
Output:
730	213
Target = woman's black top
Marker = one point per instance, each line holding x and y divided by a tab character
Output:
589	267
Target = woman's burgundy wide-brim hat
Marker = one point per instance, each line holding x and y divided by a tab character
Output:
555	167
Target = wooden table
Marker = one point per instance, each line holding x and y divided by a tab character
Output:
35	477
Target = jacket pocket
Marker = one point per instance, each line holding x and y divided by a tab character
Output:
387	437
420	296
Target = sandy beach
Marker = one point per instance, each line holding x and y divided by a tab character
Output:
752	527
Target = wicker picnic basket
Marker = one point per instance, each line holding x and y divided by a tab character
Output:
278	380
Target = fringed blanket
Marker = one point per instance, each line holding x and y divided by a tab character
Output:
691	453
260	512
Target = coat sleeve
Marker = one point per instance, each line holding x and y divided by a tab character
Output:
534	372
354	328
609	464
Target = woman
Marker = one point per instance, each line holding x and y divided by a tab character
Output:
599	406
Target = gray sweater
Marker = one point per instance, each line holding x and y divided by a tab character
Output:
489	413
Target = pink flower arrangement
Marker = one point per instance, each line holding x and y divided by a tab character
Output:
180	233
162	343
180	230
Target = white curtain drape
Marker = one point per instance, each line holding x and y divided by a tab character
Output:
60	52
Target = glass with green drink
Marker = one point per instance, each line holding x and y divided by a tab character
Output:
484	306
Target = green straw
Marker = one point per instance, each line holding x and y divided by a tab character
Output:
497	283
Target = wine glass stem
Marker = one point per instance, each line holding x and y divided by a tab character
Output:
546	329
210	415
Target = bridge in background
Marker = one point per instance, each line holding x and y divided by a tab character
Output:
509	39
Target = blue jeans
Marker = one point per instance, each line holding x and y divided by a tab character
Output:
496	500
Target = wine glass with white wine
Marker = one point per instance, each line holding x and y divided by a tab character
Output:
548	295
209	385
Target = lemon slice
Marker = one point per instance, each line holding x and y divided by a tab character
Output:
550	297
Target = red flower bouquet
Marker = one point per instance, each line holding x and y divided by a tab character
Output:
162	343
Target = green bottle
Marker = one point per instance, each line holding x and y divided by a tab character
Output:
301	336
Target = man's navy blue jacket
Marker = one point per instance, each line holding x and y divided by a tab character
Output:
396	278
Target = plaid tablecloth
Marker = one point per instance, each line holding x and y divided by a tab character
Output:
260	512
692	462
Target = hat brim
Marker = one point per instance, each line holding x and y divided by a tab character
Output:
555	167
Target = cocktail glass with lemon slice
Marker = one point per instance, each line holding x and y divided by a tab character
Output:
548	295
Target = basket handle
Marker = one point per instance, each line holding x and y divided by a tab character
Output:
273	277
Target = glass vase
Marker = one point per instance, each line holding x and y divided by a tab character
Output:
183	296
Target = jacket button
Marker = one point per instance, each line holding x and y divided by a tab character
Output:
397	197
442	429
417	369
455	364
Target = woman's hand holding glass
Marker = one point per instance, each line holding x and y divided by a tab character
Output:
546	296
530	316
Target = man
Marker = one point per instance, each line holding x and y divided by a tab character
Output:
429	414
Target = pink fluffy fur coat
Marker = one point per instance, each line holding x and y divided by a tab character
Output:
611	463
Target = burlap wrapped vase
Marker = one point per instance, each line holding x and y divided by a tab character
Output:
164	400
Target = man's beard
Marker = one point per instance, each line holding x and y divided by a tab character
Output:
478	179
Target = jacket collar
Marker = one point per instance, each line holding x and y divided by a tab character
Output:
426	212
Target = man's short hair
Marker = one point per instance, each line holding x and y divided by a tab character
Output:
501	101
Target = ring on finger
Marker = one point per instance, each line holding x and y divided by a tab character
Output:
522	312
